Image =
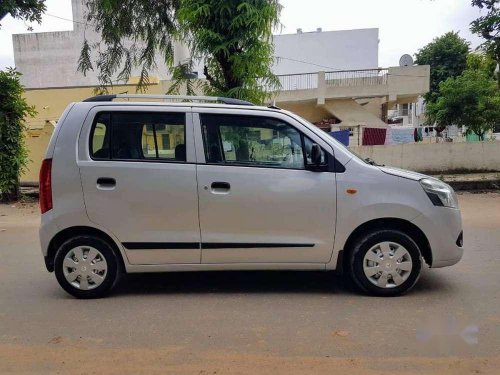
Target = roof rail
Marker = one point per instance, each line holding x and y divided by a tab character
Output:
109	98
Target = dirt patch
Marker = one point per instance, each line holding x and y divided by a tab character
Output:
72	359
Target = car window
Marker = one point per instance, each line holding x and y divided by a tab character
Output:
139	136
99	146
252	141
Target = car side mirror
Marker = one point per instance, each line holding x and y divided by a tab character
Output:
315	155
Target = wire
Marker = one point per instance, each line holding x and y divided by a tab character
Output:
277	57
308	63
339	70
66	19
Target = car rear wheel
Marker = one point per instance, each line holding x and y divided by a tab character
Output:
87	267
385	263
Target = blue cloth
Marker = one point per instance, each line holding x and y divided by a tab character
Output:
342	136
402	135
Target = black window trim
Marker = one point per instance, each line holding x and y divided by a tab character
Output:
91	136
144	160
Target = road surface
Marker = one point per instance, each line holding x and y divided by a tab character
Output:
252	322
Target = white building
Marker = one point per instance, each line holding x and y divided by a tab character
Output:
310	52
50	59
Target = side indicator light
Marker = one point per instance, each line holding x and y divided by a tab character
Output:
351	191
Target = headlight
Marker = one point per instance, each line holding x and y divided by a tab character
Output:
440	194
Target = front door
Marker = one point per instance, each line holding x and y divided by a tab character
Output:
258	201
139	182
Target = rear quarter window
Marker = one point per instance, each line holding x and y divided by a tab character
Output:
135	136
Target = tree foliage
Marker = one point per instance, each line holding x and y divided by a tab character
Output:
447	56
482	62
13	155
132	31
470	99
181	77
29	10
488	27
232	37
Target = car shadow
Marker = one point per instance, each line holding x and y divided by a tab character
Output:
260	282
234	282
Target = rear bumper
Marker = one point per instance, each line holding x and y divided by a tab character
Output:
443	229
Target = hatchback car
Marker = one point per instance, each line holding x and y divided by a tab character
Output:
199	183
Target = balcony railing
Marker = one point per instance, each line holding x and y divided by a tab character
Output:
350	78
304	81
344	78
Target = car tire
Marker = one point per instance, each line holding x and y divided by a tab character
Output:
385	262
87	267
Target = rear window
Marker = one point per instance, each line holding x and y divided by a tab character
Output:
139	136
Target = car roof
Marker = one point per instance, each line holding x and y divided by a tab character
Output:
135	103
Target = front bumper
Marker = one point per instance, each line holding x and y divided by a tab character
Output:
443	228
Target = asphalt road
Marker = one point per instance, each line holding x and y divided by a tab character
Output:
252	322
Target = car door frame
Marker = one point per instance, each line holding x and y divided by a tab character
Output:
291	121
156	256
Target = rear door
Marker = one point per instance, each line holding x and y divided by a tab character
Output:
258	201
138	174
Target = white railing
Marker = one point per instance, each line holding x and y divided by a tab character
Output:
344	78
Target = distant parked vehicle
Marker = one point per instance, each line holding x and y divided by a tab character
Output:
188	186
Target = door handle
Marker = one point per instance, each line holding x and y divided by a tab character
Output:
106	183
220	187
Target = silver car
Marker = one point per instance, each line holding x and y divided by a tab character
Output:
219	184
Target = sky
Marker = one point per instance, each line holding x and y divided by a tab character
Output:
404	25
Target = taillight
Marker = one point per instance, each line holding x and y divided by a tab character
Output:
45	185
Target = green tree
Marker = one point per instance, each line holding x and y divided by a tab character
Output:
470	100
447	56
488	27
29	10
13	155
232	37
482	62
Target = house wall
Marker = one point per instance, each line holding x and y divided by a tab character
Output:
327	50
50	104
50	59
436	157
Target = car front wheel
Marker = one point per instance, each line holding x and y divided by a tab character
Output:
385	263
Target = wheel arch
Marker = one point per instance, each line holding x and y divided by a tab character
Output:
410	229
70	232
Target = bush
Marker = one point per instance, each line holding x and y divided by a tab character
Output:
13	154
